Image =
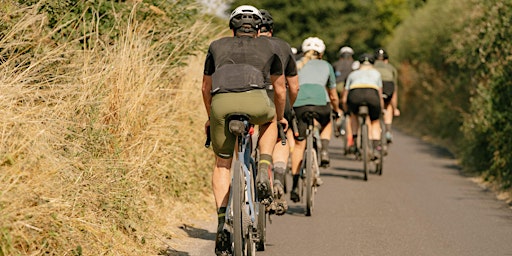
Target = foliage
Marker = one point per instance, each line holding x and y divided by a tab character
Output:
483	46
364	25
454	63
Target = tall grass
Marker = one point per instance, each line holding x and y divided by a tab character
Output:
100	144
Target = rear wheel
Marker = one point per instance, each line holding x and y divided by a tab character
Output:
309	174
238	207
262	227
364	146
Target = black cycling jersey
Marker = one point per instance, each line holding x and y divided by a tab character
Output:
342	68
286	55
239	64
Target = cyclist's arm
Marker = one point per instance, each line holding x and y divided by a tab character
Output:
331	90
278	81
333	96
293	88
206	90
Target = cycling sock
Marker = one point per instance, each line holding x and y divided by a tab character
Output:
279	173
388	127
264	163
375	143
295	181
280	164
221	215
325	144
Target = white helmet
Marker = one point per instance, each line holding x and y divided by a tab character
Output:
245	14
313	43
347	50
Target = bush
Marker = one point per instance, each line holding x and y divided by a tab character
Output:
454	63
99	127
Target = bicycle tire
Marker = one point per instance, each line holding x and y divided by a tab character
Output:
364	145
238	207
383	145
262	228
309	174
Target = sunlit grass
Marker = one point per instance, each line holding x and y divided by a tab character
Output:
98	145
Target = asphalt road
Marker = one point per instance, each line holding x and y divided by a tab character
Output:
421	205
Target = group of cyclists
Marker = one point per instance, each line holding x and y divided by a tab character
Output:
255	73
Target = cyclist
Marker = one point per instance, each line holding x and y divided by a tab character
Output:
389	89
236	71
318	94
342	67
282	152
364	86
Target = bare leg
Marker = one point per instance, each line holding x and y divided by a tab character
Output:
221	180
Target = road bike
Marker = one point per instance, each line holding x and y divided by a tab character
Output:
365	148
243	210
245	213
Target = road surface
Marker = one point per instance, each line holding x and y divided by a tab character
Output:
421	205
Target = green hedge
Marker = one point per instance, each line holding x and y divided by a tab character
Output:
455	65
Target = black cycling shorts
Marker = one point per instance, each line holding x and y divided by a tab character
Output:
362	96
388	88
324	117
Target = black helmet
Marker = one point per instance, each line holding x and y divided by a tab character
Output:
366	57
267	20
381	54
245	14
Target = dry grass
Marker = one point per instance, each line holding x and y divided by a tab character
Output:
97	146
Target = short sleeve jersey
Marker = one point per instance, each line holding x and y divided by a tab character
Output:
364	78
387	71
314	78
239	64
285	54
342	68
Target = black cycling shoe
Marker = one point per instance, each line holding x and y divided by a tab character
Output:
223	243
294	195
263	188
324	158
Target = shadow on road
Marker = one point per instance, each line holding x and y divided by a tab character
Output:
171	252
198	232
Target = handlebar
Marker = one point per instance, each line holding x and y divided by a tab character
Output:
208	138
282	135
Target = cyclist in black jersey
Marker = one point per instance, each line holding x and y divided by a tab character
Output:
282	152
236	72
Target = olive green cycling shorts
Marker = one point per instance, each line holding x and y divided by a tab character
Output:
340	87
255	103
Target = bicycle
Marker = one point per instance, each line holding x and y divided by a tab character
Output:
242	211
245	213
309	167
364	145
364	153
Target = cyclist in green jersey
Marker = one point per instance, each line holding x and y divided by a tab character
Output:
389	89
236	72
318	94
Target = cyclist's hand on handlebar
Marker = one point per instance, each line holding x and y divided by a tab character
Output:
284	123
207	128
396	112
